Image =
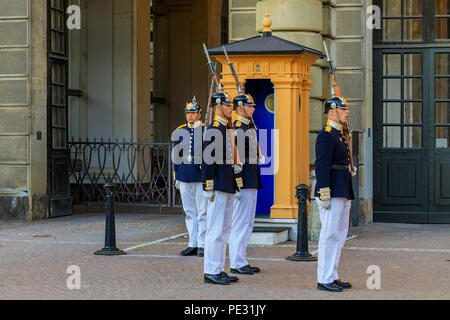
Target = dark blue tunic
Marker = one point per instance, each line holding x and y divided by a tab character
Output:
189	170
251	175
218	175
331	149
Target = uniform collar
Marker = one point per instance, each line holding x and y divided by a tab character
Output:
335	125
191	125
221	120
244	120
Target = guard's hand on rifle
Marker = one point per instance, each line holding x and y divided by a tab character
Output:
209	195
262	160
325	204
238	195
237	168
177	184
354	171
324	200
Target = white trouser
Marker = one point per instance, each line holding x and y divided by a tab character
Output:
332	238
218	227
242	226
194	205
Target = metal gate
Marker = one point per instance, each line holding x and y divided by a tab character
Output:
142	172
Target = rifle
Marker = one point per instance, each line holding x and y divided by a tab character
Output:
241	91
336	91
239	87
208	108
213	70
219	89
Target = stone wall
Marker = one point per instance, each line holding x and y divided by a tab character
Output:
23	94
242	19
350	46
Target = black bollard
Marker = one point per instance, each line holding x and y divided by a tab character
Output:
302	254
110	229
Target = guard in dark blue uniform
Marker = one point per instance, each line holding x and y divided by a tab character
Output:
248	181
219	184
188	179
333	193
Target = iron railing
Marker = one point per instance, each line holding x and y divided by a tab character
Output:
142	172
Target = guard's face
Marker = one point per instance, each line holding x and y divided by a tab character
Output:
227	110
343	114
191	116
199	116
249	110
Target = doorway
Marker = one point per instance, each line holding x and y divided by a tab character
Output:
411	135
262	92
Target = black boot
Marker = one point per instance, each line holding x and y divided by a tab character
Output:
231	278
329	287
343	285
189	252
254	269
215	279
244	270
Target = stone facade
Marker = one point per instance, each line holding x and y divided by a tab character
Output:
23	96
23	83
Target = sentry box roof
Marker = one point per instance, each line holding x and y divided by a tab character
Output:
264	44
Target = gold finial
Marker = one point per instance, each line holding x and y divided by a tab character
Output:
267	22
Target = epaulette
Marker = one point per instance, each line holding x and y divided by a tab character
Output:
328	129
182	126
238	124
216	124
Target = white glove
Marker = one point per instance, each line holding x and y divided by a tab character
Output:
262	160
237	169
354	171
209	195
177	184
325	204
238	195
197	123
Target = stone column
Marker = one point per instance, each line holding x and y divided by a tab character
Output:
287	166
141	65
304	129
23	100
141	125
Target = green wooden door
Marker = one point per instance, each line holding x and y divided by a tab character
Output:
401	174
412	135
439	136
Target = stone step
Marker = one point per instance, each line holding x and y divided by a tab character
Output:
269	235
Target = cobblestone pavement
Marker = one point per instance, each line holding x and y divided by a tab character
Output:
414	261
